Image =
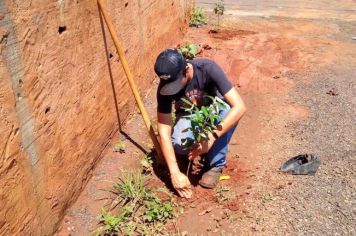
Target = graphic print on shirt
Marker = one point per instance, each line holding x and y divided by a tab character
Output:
195	96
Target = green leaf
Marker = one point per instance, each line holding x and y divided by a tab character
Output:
204	110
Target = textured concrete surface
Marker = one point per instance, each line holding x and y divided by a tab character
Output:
57	102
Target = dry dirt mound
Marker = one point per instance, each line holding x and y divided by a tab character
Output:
252	59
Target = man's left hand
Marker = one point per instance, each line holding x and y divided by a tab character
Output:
202	147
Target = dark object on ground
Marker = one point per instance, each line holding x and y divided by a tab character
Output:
332	92
211	178
207	47
213	31
305	164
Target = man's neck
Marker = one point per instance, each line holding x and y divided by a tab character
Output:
190	72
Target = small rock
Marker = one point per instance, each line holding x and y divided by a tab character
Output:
332	92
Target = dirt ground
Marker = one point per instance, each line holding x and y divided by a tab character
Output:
296	74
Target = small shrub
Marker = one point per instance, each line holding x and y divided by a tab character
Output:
189	50
198	18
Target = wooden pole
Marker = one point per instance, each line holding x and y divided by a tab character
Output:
131	81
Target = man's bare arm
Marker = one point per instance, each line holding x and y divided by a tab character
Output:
237	110
179	180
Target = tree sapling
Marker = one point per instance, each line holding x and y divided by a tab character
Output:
219	9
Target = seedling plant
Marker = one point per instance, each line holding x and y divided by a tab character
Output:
189	50
198	18
219	9
203	120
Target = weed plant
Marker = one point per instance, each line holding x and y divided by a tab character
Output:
130	188
147	164
120	147
222	193
140	210
266	197
111	223
156	210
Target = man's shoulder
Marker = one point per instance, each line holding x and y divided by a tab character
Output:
202	62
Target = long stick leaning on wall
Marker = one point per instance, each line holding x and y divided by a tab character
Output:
131	81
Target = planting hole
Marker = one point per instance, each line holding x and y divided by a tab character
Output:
61	29
110	55
126	4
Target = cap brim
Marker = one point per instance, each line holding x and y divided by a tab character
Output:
173	87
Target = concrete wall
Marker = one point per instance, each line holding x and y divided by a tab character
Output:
57	109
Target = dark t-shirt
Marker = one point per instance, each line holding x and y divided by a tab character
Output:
208	79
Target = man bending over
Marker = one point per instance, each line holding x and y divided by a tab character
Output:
194	80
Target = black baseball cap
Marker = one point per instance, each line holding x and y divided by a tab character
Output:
170	66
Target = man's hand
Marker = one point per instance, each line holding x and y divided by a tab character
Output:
202	147
181	184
